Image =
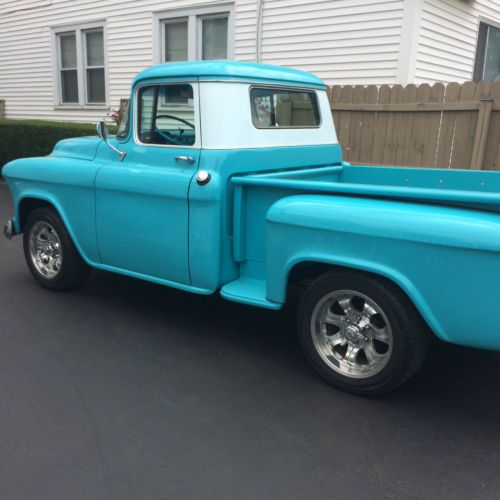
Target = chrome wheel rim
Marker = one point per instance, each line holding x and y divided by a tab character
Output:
45	249
352	334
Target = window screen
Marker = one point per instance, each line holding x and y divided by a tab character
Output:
214	37
487	64
68	68
492	55
176	41
94	66
275	108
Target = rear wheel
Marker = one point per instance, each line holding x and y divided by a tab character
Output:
361	334
50	253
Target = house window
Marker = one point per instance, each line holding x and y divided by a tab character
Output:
195	34
487	65
79	58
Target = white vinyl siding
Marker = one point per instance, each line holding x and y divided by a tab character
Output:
345	41
448	38
245	37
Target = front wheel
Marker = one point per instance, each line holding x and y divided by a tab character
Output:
50	253
360	333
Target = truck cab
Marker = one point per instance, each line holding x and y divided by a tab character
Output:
224	119
228	178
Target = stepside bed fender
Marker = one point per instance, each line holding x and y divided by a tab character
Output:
424	249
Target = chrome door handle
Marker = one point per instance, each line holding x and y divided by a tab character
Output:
190	159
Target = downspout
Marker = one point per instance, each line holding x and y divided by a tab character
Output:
258	41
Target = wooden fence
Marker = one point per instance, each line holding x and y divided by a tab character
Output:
2	108
442	126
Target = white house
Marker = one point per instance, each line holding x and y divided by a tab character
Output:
74	59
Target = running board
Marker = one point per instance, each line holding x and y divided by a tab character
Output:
248	291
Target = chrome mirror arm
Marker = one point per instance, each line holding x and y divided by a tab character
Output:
122	154
103	133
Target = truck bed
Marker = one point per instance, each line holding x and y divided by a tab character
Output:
255	193
472	189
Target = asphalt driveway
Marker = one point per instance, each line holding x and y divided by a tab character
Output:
125	389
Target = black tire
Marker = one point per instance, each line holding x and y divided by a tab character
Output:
409	333
73	270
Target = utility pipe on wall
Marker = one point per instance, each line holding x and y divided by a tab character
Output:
258	41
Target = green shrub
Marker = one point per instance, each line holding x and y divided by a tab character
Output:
22	138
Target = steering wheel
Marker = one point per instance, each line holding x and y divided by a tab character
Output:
167	135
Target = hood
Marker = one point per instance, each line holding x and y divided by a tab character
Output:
84	148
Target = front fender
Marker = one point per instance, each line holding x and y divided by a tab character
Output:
445	259
68	185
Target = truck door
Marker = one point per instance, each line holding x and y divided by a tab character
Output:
142	201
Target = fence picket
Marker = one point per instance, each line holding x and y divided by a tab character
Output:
432	122
380	131
334	96
443	157
368	119
405	128
391	140
417	139
358	97
462	148
345	121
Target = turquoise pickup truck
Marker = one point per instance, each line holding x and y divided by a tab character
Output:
228	177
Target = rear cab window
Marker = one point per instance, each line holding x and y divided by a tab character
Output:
275	107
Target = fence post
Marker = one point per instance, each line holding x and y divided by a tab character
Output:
483	125
2	108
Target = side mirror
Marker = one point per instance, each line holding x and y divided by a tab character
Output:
103	132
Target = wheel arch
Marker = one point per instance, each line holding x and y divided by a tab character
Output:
30	202
309	268
26	206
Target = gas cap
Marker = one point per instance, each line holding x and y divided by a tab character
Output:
203	177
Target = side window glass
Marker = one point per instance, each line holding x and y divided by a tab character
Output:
124	124
166	115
